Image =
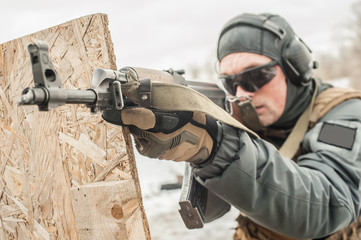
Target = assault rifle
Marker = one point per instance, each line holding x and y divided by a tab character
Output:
112	89
109	88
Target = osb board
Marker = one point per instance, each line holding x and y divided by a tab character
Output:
44	154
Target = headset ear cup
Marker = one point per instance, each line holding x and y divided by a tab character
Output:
297	61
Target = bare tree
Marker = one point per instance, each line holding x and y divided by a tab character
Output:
355	62
347	62
205	71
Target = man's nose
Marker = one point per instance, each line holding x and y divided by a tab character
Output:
240	92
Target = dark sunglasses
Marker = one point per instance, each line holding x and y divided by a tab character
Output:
250	80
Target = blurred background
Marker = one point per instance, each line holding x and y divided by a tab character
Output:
182	34
178	34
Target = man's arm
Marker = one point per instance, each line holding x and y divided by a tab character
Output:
313	198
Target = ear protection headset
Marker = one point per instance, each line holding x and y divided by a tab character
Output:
296	59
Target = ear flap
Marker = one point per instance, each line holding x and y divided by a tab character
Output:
297	62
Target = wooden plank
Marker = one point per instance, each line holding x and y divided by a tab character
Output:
44	154
107	210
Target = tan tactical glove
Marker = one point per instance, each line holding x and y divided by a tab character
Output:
177	136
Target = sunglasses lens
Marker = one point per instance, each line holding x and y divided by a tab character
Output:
250	80
230	85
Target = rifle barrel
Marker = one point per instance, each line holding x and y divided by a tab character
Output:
81	96
41	96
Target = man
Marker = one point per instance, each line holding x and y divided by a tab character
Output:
263	62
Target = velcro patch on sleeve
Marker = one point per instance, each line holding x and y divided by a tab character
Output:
337	135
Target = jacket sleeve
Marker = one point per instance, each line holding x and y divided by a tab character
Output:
318	195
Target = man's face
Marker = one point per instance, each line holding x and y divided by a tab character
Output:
269	100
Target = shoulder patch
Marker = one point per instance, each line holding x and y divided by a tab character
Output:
337	135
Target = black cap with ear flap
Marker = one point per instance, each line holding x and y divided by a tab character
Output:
272	36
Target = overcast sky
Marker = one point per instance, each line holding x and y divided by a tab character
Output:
174	33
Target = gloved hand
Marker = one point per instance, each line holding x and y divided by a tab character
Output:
177	136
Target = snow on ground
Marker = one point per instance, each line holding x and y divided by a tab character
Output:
162	207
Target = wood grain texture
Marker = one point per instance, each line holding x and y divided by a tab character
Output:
107	210
44	154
